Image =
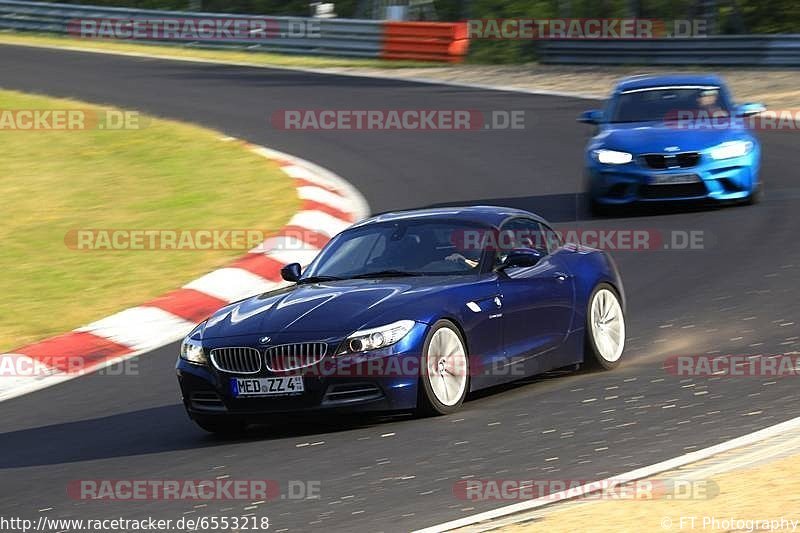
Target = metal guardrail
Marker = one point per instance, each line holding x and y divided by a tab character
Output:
334	37
780	50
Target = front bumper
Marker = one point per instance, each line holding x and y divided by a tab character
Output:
207	393
379	381
725	180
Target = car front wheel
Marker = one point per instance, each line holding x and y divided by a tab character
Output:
445	370
756	195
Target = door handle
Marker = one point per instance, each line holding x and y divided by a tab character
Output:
561	276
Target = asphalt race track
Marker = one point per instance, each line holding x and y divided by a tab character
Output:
738	295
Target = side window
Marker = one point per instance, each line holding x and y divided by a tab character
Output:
552	239
522	233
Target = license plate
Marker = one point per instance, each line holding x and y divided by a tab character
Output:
674	179
266	386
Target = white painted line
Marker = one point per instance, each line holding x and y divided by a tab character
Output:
746	459
633	475
231	284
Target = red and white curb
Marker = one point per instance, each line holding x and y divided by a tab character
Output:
328	205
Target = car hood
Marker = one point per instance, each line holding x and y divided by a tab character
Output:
656	137
338	307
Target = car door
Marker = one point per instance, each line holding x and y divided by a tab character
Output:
481	319
537	302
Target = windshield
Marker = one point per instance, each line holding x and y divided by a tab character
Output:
398	249
662	104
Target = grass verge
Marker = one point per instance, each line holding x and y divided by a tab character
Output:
163	175
767	492
255	58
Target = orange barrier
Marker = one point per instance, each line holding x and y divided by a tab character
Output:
425	41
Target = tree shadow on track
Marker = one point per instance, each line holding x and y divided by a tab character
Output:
168	429
147	431
280	77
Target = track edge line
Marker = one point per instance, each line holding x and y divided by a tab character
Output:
633	475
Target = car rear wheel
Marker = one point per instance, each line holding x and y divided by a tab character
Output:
445	370
605	328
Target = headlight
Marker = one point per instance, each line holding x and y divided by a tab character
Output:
192	347
612	157
374	338
731	149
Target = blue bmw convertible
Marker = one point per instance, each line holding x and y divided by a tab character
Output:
407	311
672	138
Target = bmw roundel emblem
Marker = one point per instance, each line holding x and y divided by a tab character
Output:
264	340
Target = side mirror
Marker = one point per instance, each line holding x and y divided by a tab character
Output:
521	258
593	116
291	272
746	110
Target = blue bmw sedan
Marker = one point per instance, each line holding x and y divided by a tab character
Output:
672	138
407	311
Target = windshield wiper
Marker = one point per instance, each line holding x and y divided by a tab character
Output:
387	274
317	279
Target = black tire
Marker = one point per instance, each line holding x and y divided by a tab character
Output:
223	427
591	355
427	402
600	210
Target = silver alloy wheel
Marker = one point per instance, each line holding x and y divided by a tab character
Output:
447	366
608	325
